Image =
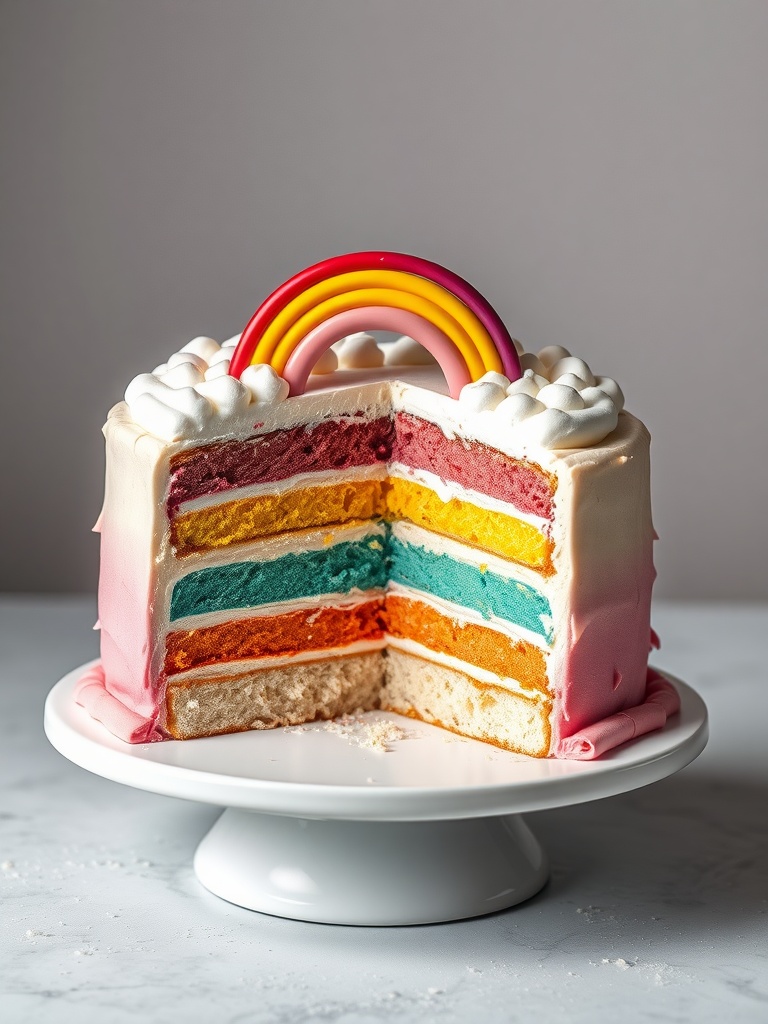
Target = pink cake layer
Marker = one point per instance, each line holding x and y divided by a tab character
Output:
329	445
345	443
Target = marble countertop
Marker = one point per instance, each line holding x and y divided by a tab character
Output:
657	908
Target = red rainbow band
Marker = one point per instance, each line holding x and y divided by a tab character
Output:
377	260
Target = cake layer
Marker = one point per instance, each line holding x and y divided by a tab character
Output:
335	569
266	698
366	565
234	522
244	519
461	583
493	531
454	700
341	444
424	445
485	648
329	445
272	636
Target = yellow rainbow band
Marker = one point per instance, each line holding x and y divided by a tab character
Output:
377	297
379	287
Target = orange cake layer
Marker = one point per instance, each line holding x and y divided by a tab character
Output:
232	522
477	645
272	636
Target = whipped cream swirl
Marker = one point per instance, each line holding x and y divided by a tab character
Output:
557	403
184	396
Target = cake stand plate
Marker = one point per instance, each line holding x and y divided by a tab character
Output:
323	824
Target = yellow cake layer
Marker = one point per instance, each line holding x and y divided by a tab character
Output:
233	522
502	534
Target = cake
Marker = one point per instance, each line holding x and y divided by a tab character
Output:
303	522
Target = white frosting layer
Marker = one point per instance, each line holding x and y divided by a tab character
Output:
557	403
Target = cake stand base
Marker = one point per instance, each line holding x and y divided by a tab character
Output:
321	826
370	872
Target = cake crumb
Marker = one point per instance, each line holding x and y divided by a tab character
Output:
359	731
592	914
620	962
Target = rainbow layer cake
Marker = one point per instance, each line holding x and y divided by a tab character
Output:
304	522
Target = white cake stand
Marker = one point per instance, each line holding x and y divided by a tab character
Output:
320	828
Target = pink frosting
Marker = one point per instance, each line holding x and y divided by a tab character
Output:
91	694
376	318
661	701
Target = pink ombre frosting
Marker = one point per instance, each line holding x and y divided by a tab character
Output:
661	702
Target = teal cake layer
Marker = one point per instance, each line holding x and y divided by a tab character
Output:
365	564
337	569
486	592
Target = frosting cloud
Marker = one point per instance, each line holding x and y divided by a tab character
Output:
186	395
557	403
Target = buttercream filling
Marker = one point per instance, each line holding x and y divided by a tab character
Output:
408	619
289	633
423	445
337	444
478	673
486	592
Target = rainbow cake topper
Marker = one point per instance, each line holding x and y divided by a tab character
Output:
385	291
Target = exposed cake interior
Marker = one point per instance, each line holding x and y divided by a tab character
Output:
372	544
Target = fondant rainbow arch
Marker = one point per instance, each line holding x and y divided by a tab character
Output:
389	291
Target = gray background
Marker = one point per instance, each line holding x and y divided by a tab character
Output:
598	169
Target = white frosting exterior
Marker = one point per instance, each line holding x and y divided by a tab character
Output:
558	403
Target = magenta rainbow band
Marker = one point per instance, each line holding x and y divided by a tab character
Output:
375	260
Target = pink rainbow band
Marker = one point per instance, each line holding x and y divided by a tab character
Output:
374	260
375	318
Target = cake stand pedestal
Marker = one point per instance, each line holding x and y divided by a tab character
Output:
323	826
